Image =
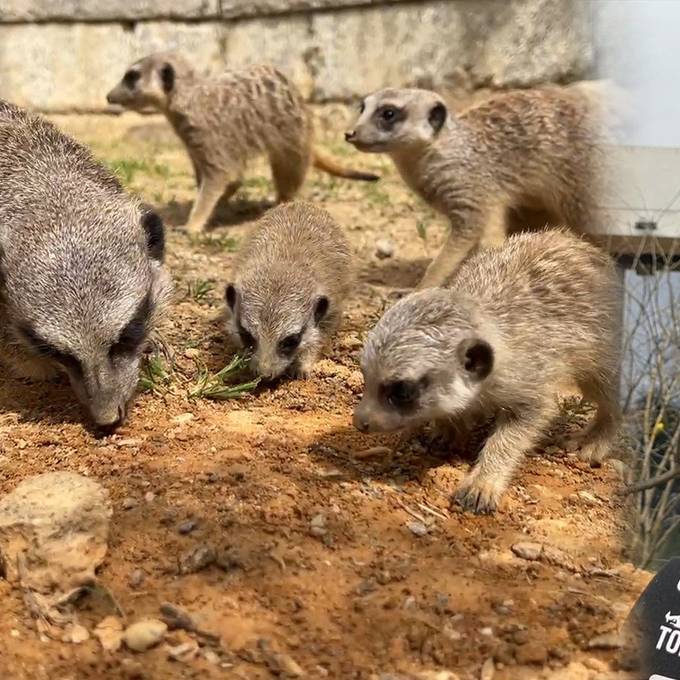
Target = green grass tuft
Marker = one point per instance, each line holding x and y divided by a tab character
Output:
218	386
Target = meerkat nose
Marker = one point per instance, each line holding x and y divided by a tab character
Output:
360	423
349	136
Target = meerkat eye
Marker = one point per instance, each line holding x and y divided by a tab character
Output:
389	113
131	78
289	344
402	394
362	107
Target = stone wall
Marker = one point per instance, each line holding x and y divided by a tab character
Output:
64	55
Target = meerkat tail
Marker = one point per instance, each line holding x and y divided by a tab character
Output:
328	165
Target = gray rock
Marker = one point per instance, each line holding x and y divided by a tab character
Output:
59	523
417	528
527	550
384	248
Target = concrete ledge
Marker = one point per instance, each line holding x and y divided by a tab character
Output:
334	55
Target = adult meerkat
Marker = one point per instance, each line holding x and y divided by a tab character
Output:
81	274
516	321
535	149
226	120
288	289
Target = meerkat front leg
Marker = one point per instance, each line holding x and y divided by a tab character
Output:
514	436
485	228
211	189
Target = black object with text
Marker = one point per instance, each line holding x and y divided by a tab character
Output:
656	616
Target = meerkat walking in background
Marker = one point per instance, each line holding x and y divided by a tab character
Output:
289	287
516	322
226	120
533	149
81	274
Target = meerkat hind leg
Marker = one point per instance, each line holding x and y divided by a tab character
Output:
504	450
212	188
288	171
596	441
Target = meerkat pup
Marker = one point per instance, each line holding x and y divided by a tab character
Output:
288	289
81	273
226	120
516	322
536	149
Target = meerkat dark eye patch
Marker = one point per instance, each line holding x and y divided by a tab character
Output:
168	78
362	106
155	233
437	116
133	335
401	394
48	351
289	344
321	309
247	338
388	116
476	357
131	78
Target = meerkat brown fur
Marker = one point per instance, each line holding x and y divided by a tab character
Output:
81	274
288	288
516	322
535	149
227	119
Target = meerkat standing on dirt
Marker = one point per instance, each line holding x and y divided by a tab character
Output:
81	273
536	149
226	120
288	290
516	322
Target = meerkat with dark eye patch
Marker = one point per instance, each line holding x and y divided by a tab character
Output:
82	280
515	322
288	290
536	149
226	120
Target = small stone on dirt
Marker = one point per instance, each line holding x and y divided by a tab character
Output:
187	526
417	528
229	559
527	550
109	632
606	641
184	652
144	634
149	496
384	248
183	418
136	578
196	559
128	503
488	670
278	662
317	525
176	618
76	634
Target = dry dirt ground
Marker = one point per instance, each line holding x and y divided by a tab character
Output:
325	563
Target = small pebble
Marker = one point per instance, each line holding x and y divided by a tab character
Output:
136	578
109	632
196	559
187	526
384	248
417	528
488	670
211	657
527	551
606	641
144	634
129	503
149	496
317	526
184	652
486	632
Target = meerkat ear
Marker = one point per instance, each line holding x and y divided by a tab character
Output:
476	357
155	233
231	296
437	116
320	309
168	78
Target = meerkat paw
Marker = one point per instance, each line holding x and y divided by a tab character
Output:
594	453
480	495
193	228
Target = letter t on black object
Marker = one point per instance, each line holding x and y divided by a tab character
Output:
656	619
